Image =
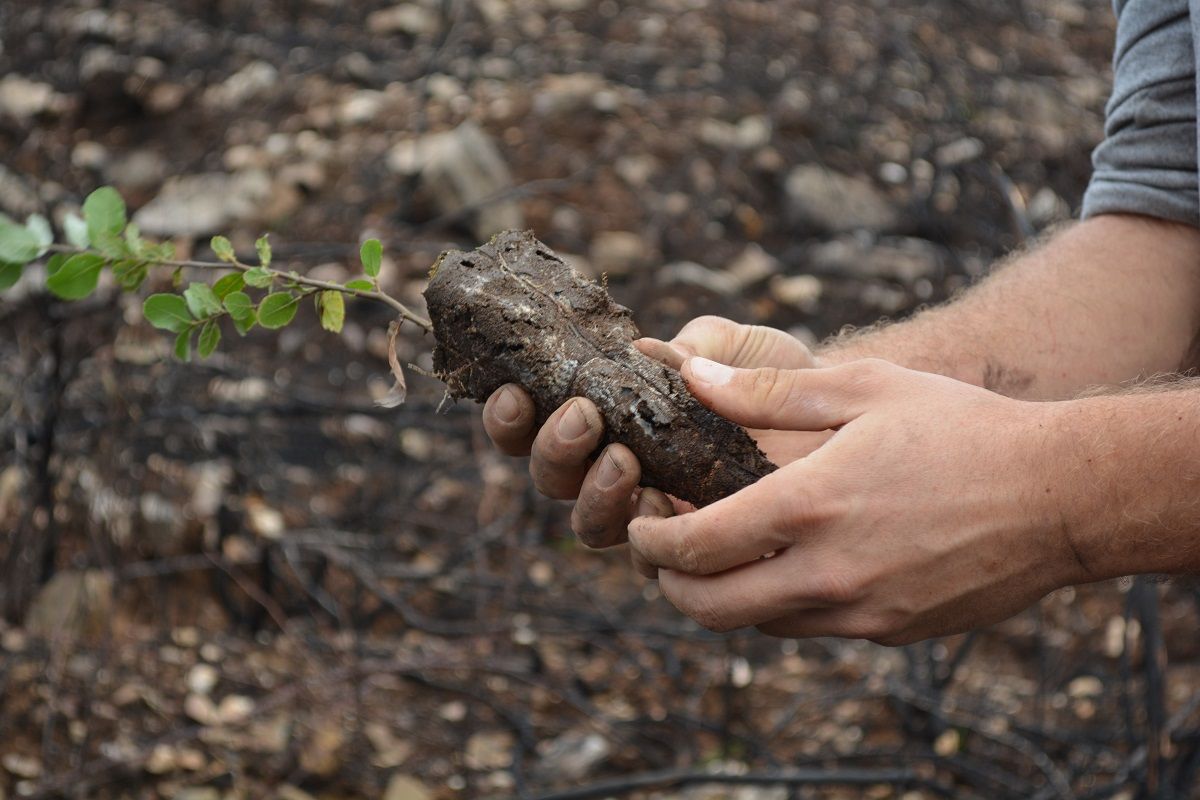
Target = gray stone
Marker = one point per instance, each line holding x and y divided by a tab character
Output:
74	603
571	756
22	98
899	258
198	205
830	201
462	168
137	170
689	273
252	80
410	18
617	253
17	197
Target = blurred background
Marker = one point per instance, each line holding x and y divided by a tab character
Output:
243	579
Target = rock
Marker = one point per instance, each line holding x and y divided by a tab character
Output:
22	99
410	18
958	152
21	766
89	155
252	80
568	94
1046	208
202	678
750	133
139	169
1085	686
461	168
752	265
798	291
75	603
689	273
197	793
17	197
321	754
489	750
199	205
406	787
571	756
362	106
834	202
617	253
901	258
389	751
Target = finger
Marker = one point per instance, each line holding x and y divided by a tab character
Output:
798	399
650	503
508	418
844	623
728	342
601	513
743	527
752	594
562	448
662	351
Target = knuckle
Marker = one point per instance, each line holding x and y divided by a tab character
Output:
688	554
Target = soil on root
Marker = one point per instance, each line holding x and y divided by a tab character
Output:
512	311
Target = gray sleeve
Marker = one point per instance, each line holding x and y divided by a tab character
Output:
1147	161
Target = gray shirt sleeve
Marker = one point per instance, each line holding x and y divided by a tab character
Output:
1147	161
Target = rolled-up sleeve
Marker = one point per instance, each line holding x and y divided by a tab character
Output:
1147	161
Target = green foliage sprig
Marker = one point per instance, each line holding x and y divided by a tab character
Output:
247	294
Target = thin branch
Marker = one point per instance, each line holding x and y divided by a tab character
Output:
378	296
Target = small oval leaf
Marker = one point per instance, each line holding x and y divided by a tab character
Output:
222	248
9	274
104	213
333	310
210	337
277	310
77	278
371	255
262	246
168	312
202	301
258	277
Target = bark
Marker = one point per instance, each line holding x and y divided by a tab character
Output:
513	311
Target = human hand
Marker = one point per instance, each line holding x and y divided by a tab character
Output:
936	507
607	492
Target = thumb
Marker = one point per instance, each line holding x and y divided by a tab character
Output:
786	399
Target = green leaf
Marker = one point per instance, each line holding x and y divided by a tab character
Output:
241	310
332	309
201	300
111	245
18	244
263	247
223	249
104	212
134	242
277	310
130	274
9	274
233	282
77	278
183	344
168	312
54	264
76	230
39	226
361	284
210	337
372	257
258	277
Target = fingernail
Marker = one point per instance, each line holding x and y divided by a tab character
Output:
507	409
573	423
609	471
710	372
651	504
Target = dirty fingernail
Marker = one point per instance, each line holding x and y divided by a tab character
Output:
711	372
507	409
652	504
573	423
609	471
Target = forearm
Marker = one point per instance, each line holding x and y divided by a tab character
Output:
1126	479
1102	302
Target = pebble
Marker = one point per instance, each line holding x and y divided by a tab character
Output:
618	253
834	202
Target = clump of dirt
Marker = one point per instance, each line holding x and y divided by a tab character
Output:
512	311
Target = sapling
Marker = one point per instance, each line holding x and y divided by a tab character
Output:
509	311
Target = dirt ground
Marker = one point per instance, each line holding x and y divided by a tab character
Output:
243	579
